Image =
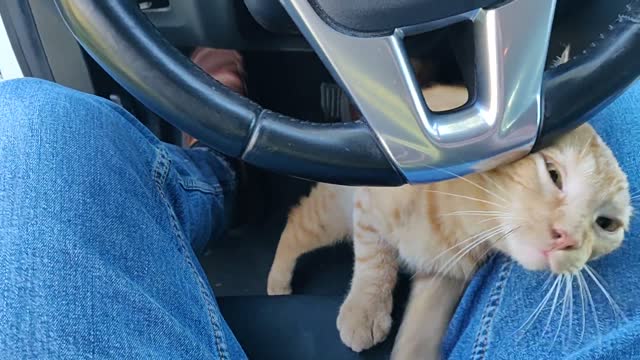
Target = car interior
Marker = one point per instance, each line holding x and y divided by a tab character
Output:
294	73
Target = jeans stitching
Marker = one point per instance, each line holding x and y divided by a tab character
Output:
160	173
481	344
222	159
195	185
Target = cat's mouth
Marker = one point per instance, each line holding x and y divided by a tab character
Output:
533	257
556	261
565	261
535	254
529	256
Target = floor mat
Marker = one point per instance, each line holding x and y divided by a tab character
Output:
298	326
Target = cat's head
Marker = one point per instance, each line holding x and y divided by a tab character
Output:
569	203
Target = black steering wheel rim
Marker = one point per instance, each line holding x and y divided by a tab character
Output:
122	40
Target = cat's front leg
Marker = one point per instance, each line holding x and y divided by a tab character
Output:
365	315
317	222
431	304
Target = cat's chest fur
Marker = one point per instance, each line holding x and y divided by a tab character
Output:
425	238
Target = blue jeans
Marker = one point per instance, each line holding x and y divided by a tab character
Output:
100	224
502	296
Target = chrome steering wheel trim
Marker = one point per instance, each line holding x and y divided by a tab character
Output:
501	125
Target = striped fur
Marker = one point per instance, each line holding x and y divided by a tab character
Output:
442	231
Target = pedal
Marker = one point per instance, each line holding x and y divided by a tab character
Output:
335	104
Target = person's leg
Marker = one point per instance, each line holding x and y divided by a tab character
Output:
98	225
489	321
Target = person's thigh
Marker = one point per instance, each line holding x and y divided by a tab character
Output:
490	320
98	221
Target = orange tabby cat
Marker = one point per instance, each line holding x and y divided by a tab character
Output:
556	210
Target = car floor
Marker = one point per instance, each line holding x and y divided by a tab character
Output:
301	325
298	326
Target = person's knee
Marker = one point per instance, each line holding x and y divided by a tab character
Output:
34	105
43	117
31	104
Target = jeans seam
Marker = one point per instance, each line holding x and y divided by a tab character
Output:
190	184
160	172
229	169
127	116
481	344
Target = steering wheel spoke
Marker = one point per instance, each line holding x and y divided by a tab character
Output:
502	123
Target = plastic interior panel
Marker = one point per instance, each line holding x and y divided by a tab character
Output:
378	17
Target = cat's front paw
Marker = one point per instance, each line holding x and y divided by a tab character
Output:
364	321
278	284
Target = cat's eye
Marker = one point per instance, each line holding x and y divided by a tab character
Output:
554	175
607	224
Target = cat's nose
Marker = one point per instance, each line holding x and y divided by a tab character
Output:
562	239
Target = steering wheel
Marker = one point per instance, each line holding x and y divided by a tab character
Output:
517	106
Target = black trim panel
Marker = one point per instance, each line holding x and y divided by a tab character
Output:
24	38
296	327
272	16
64	55
375	17
575	91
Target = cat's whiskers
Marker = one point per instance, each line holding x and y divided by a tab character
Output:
614	306
548	281
571	307
489	248
464	212
491	215
500	218
470	238
553	304
634	199
472	183
478	238
564	283
476	213
634	195
465	250
465	197
586	146
532	318
568	284
591	303
475	241
582	303
501	229
482	188
488	178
